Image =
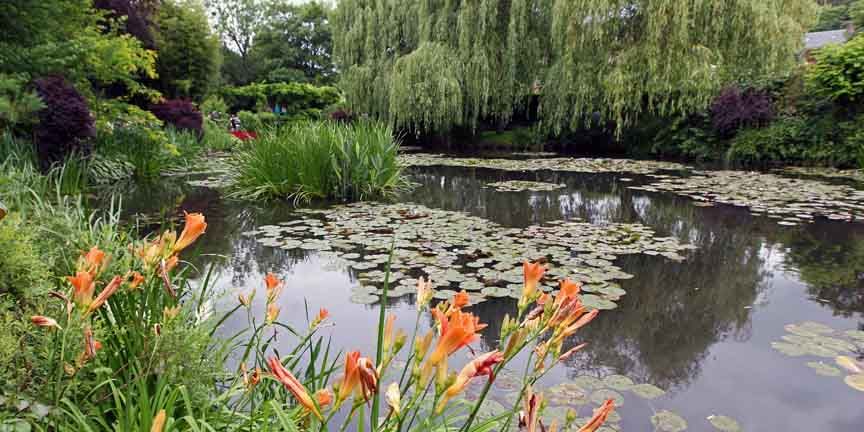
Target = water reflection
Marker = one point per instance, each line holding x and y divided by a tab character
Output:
693	328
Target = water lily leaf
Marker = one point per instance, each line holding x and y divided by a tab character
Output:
849	364
724	423
815	327
618	382
855	381
789	349
855	334
824	369
600	396
647	391
587	382
667	421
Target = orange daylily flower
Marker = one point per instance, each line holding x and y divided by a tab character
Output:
351	378
460	300
368	377
137	279
456	331
323	313
600	415
43	321
567	289
324	397
158	422
171	263
532	273
480	366
274	287
250	381
195	226
293	385
272	313
83	287
93	261
105	294
572	328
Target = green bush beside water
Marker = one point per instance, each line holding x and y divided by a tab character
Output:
309	160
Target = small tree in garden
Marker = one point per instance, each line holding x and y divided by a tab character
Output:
65	124
179	113
735	108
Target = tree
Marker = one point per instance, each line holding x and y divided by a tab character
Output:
296	44
69	37
612	59
237	22
189	56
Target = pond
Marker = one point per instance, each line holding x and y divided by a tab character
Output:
713	314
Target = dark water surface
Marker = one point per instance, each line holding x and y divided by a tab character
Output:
700	329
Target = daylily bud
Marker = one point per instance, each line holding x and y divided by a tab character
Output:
43	321
394	398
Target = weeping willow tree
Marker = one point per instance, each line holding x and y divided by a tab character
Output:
430	65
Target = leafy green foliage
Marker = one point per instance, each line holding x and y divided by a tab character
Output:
295	44
838	74
189	54
831	17
319	160
70	37
634	61
18	105
298	100
23	274
237	22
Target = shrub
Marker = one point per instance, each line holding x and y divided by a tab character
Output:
783	140
249	121
308	160
341	115
179	113
214	104
216	137
18	105
141	147
23	273
296	100
838	74
734	109
65	124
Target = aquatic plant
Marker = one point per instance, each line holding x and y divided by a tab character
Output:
309	160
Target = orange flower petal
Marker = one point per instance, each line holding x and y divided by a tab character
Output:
195	227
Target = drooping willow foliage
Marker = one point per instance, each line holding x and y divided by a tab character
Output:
430	65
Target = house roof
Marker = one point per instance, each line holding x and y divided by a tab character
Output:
819	39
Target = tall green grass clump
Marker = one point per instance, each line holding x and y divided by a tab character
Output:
308	160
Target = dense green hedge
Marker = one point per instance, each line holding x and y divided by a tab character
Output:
294	99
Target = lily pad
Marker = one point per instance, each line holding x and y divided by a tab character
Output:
667	421
647	391
618	382
724	423
600	396
824	369
855	381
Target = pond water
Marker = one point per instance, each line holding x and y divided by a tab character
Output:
707	326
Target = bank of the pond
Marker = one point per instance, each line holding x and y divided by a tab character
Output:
699	341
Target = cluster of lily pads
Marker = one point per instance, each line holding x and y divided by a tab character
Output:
212	173
792	201
819	340
521	186
590	390
585	165
827	172
462	252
